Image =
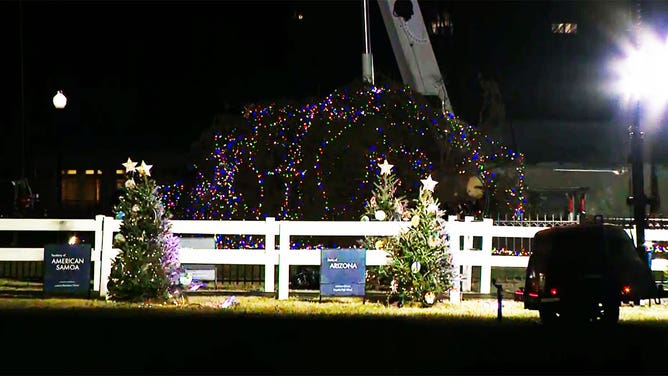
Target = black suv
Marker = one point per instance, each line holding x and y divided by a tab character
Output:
583	272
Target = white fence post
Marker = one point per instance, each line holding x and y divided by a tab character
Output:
455	249
283	260
96	256
486	268
108	253
270	254
468	246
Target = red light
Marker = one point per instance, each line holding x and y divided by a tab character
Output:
533	295
553	291
626	290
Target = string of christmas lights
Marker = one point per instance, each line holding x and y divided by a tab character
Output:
315	161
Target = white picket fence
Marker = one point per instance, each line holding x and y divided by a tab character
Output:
462	234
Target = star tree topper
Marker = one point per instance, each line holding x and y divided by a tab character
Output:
429	184
385	168
130	165
144	169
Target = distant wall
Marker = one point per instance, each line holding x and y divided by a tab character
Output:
607	191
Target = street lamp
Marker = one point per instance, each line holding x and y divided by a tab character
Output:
643	79
59	100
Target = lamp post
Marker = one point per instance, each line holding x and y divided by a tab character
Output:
638	198
644	79
59	102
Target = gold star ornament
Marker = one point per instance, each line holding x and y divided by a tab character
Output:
385	168
130	165
144	169
429	184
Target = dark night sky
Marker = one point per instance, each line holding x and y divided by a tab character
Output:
159	67
152	75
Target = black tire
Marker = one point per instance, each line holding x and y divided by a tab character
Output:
548	316
610	313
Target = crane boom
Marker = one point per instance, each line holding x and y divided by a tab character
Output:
412	48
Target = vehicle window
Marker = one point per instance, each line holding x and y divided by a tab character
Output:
619	245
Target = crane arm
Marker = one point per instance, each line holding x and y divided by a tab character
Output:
412	48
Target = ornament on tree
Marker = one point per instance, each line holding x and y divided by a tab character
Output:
119	238
429	298
434	241
185	279
415	267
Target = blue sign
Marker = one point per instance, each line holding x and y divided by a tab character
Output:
343	272
67	270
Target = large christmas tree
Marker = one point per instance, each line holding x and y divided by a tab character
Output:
147	267
311	162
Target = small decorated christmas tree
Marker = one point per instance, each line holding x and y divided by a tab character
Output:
147	266
382	206
420	268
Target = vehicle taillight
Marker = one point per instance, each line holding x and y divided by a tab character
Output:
553	291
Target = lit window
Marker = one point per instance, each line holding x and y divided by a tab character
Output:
80	190
90	172
564	28
120	172
442	24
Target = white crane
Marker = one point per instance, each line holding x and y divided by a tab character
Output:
411	46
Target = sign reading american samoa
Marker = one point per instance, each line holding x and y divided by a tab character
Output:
343	272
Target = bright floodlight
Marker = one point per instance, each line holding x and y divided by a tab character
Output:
60	100
643	75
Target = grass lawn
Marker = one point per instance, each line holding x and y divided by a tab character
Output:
300	335
482	308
